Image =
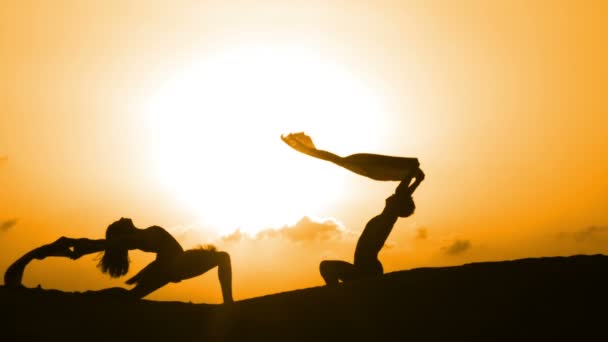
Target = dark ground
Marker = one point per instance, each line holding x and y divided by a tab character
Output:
541	299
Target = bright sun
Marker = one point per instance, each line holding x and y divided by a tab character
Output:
215	131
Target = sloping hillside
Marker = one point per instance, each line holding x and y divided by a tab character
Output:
527	299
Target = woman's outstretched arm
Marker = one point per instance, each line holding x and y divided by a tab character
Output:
82	247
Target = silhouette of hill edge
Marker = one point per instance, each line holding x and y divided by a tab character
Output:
524	299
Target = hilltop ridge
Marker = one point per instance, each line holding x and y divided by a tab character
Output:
551	297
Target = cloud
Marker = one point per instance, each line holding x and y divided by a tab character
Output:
8	224
236	236
457	247
421	233
306	229
587	234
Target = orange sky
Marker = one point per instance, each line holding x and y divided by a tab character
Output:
170	113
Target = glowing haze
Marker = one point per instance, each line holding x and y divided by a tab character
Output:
170	112
215	128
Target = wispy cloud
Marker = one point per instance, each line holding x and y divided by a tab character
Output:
457	247
306	229
236	236
587	234
421	233
8	224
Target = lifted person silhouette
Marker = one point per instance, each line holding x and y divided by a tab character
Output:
172	263
377	230
374	166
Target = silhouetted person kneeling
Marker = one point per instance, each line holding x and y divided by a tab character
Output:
401	204
371	241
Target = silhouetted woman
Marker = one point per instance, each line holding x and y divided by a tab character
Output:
373	238
377	230
172	263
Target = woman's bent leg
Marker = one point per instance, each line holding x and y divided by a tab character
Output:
224	273
195	262
334	271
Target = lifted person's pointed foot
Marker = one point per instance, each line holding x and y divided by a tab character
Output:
299	141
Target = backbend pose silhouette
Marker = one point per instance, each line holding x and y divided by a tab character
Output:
377	230
172	263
